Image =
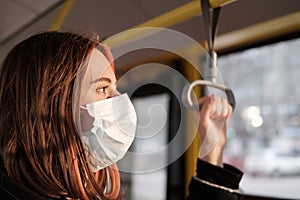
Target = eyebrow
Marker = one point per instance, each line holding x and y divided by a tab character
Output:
101	80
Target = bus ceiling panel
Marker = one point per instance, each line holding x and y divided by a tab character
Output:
17	15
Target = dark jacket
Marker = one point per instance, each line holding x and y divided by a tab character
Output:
211	182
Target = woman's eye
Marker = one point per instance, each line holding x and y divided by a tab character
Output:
101	89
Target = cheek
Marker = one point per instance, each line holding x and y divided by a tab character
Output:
86	121
90	96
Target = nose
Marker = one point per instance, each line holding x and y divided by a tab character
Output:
114	93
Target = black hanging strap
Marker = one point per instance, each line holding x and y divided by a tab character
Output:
210	26
209	69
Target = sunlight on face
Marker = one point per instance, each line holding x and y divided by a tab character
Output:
99	81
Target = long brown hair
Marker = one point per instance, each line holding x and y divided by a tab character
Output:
39	145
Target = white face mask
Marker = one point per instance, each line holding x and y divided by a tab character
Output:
113	131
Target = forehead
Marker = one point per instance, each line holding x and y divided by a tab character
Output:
97	64
96	67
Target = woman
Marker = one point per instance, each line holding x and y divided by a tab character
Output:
63	125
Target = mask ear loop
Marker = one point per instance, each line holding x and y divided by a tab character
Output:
83	107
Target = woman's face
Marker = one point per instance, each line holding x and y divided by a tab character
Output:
99	81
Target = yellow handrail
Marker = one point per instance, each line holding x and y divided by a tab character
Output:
258	32
168	19
62	15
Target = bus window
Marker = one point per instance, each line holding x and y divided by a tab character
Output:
264	131
151	135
